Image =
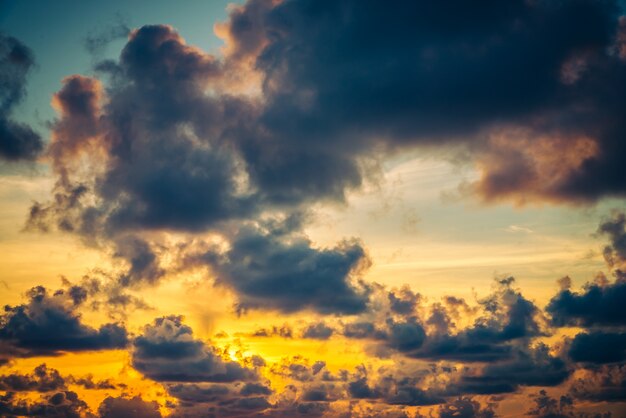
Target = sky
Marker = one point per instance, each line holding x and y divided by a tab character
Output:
311	208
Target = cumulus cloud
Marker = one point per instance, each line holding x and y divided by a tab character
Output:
428	76
598	347
318	331
528	367
598	304
42	379
507	321
168	352
64	404
49	324
170	140
128	408
271	270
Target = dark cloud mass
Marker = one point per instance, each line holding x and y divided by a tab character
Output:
599	304
18	141
599	347
63	404
167	351
42	379
171	140
338	76
172	161
48	324
269	269
128	408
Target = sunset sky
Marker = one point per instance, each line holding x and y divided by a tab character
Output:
312	208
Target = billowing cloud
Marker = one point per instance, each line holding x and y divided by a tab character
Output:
271	270
63	404
48	324
598	347
318	331
168	352
527	367
171	159
42	379
426	75
128	408
18	141
599	304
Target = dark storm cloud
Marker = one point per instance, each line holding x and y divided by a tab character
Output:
339	80
18	141
143	262
318	331
158	149
394	387
167	352
403	301
272	271
64	404
255	389
405	336
412	396
48	324
192	393
42	379
598	305
155	151
527	367
507	321
173	142
598	347
222	400
128	408
339	76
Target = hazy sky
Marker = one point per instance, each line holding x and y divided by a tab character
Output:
312	208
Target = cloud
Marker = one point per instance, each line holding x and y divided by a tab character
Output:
42	379
527	367
168	352
465	407
597	305
272	271
615	229
65	404
403	301
255	389
48	325
606	383
427	76
18	141
508	320
156	153
318	331
128	408
598	347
